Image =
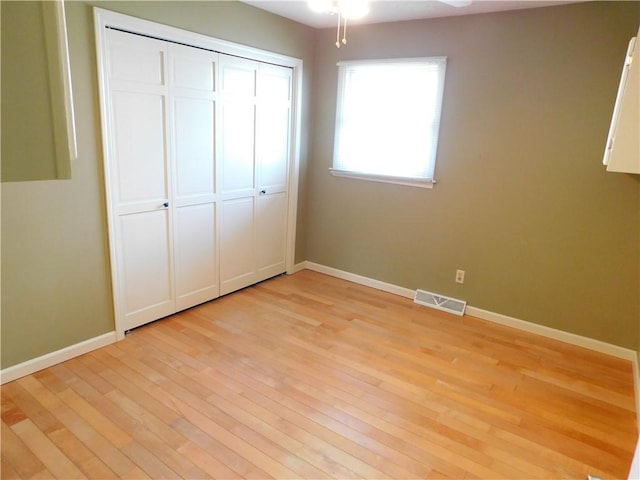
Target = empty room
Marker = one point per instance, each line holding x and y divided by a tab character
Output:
326	239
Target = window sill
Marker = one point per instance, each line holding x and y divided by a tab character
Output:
410	181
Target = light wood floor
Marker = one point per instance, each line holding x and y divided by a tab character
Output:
308	376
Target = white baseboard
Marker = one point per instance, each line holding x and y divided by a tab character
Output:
299	266
555	334
31	366
571	338
366	281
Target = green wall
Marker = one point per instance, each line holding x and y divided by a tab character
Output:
56	287
27	116
522	202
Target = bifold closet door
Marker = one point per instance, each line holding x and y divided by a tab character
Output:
162	176
253	170
139	185
198	172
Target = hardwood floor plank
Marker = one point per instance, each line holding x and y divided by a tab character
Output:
190	431
99	421
44	475
6	469
212	466
136	429
206	417
310	376
147	462
14	451
405	473
94	441
253	425
237	443
303	421
135	474
68	443
11	413
51	456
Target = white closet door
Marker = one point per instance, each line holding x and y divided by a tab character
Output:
255	126
237	173
272	158
138	177
197	164
193	97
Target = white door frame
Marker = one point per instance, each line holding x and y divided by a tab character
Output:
104	19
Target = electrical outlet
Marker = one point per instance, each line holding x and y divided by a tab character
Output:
459	276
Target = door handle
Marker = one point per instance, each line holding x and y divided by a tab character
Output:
263	192
165	204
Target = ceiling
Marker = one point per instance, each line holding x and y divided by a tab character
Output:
395	10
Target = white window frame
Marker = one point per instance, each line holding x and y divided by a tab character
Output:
426	181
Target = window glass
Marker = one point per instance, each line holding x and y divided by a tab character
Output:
388	118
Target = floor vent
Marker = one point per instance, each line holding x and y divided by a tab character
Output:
440	302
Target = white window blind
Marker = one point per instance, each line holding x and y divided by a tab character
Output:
388	119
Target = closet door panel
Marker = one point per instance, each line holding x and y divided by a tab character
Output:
195	243
238	77
237	173
194	100
237	244
273	146
136	59
194	147
145	267
271	238
274	123
237	137
237	126
193	69
196	259
138	171
272	154
139	133
274	126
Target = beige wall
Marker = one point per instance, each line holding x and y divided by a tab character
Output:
56	288
522	202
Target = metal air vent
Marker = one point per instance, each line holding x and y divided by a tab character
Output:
440	302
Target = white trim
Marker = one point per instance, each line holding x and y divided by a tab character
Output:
294	168
298	267
555	334
391	61
570	338
410	181
48	360
106	18
57	46
368	282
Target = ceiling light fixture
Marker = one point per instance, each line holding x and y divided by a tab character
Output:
344	9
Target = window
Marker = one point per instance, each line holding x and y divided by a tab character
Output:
388	118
